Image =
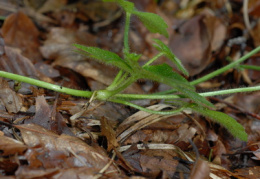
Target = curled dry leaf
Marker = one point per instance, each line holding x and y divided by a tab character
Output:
153	162
13	61
9	98
47	70
58	46
35	135
49	118
195	40
19	31
107	130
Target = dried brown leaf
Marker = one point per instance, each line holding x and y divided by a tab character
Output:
58	47
152	162
13	61
19	31
26	172
43	114
47	70
49	118
10	146
99	11
35	135
108	131
9	98
138	121
155	161
195	40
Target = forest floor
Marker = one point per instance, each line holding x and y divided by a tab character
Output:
44	134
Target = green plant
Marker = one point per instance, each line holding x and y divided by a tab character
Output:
131	71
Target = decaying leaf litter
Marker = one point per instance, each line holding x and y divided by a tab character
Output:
37	41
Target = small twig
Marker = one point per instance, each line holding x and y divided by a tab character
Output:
100	173
77	156
195	149
84	108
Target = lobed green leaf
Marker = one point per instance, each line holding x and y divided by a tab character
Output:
105	56
225	120
160	46
165	71
153	22
164	74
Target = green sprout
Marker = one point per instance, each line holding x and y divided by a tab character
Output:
130	71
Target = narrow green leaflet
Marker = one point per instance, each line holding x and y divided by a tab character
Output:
152	22
166	72
160	46
105	56
225	120
163	73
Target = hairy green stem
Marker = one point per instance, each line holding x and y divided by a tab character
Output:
147	110
153	59
124	85
231	91
225	68
250	67
126	33
46	85
217	72
121	81
88	94
115	81
169	96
